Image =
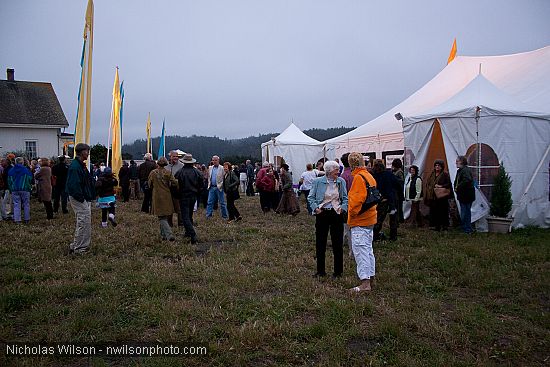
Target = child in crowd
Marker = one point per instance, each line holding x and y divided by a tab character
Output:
105	188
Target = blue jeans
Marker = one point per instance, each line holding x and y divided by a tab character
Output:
21	198
216	195
466	216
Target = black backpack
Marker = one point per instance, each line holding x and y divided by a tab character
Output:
373	197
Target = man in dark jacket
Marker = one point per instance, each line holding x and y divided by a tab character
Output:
250	178
465	192
134	180
124	177
386	184
60	171
143	172
80	188
190	182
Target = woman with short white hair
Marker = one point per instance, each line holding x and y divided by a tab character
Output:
328	198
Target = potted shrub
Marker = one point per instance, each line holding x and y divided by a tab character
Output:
501	203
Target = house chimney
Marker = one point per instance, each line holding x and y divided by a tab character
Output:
11	75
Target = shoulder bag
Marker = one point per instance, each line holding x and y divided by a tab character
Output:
373	198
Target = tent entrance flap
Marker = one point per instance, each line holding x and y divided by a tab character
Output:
436	150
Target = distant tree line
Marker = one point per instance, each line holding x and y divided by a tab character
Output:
204	147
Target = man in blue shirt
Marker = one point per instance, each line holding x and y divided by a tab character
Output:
215	188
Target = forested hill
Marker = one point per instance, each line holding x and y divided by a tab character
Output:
203	147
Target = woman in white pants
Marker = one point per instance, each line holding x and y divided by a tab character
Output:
361	222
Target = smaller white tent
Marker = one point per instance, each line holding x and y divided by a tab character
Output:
481	121
295	147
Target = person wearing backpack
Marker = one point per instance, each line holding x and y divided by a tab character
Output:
413	193
361	222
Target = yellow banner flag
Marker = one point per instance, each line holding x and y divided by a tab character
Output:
116	147
148	129
453	53
83	122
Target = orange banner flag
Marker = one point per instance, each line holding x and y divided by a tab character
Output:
453	53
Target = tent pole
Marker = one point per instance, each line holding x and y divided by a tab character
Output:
478	110
531	181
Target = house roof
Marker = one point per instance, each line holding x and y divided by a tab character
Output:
30	103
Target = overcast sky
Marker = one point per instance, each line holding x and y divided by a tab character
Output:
235	68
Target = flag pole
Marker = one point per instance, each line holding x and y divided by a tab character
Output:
109	139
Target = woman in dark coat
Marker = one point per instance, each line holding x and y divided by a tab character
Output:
439	207
231	188
288	204
44	186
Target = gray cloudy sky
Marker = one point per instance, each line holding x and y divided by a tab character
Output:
235	68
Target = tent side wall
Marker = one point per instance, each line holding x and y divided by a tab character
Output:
297	156
520	143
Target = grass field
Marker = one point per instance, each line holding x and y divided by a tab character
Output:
247	291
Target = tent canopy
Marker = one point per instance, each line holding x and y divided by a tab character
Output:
295	147
480	92
293	135
524	76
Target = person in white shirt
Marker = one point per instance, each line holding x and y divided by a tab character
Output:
306	180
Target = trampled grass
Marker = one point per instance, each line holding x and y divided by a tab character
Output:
247	291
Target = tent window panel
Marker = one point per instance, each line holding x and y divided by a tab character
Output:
484	171
369	157
408	158
389	155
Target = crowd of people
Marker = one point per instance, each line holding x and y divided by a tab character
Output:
336	193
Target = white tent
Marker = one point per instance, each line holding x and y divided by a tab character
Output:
524	76
489	126
295	147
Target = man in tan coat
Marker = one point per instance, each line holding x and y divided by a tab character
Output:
215	188
160	181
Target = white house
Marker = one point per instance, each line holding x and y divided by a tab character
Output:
31	118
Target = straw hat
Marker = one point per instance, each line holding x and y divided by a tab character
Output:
188	158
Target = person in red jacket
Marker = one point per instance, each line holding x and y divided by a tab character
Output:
265	183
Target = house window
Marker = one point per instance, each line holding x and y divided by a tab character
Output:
487	169
30	149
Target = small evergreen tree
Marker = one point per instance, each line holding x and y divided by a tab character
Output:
501	199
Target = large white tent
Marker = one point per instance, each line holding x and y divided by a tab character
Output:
295	147
524	76
488	125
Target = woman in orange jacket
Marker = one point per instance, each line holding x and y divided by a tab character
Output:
361	223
